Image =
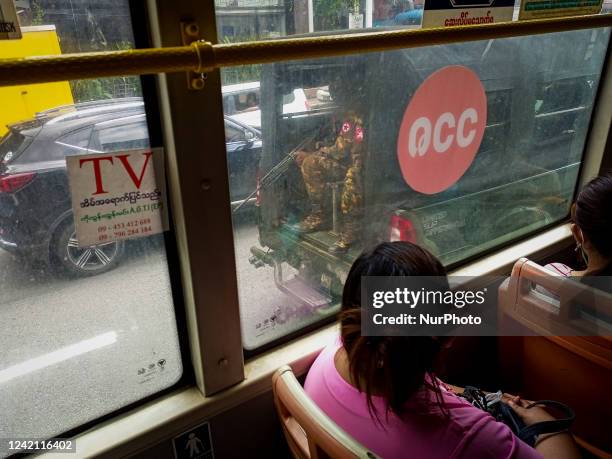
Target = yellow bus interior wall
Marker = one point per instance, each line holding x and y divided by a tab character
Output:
26	100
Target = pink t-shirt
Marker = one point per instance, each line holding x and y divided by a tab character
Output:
469	433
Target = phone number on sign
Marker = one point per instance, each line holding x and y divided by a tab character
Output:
125	229
41	445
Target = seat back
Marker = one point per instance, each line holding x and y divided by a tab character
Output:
575	370
548	304
310	433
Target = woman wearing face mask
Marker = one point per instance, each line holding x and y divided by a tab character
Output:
592	230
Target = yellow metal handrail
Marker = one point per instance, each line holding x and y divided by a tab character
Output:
203	56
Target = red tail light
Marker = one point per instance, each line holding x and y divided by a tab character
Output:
307	104
401	229
258	194
12	183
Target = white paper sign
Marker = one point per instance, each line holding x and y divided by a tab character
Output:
452	13
355	21
119	195
9	23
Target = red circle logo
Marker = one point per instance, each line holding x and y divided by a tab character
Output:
442	129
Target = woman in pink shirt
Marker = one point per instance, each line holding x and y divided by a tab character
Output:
383	392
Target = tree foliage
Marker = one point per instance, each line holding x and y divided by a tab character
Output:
243	73
333	14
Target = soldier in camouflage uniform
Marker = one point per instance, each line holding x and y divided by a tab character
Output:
341	161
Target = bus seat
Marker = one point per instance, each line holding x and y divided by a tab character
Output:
576	370
310	433
544	303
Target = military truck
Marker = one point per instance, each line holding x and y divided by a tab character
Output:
540	92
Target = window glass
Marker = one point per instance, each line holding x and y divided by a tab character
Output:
121	137
314	213
564	94
288	98
248	20
76	142
13	144
84	331
78	139
245	20
246	101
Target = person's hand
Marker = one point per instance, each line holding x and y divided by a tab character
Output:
528	415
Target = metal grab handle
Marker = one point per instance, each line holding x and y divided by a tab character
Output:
202	56
335	187
44	69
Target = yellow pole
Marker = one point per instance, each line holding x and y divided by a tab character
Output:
203	56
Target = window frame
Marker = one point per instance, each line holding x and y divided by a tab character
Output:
193	124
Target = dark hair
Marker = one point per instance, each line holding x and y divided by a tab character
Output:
592	213
392	366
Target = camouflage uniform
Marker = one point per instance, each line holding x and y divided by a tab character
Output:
341	161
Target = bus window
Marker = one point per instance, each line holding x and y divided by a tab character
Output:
276	19
85	330
331	181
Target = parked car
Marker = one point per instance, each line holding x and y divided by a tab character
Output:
35	205
242	100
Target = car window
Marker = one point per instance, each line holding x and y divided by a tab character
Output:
123	137
12	145
246	101
76	142
562	95
288	98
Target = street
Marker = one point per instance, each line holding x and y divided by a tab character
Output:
75	349
266	313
